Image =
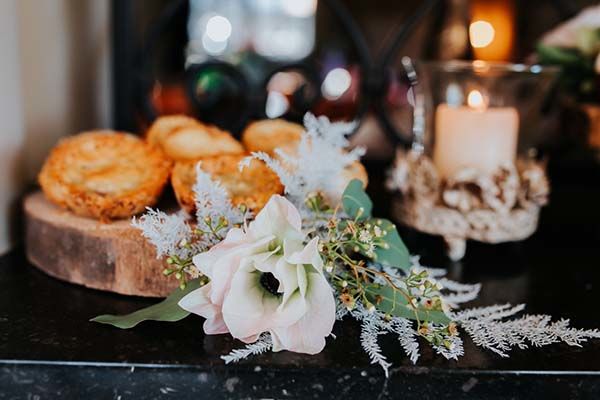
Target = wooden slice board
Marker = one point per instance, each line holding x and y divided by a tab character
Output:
108	256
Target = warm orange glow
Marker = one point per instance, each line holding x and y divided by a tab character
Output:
481	34
475	100
480	65
499	15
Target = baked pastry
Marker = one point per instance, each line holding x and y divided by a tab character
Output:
185	139
356	170
269	134
162	126
104	174
252	187
194	142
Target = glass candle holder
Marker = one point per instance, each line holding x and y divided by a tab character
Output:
472	171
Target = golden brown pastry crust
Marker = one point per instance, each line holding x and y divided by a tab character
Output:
184	138
356	170
252	187
199	141
269	134
104	174
164	125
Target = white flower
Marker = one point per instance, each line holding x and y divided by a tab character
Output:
165	231
266	280
377	231
364	236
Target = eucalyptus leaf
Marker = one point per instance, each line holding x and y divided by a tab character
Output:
396	255
167	310
355	198
391	301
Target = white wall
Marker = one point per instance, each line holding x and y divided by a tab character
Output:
54	81
64	62
11	117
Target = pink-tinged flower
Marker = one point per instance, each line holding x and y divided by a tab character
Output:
265	279
572	33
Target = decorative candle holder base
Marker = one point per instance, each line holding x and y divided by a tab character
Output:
456	227
500	207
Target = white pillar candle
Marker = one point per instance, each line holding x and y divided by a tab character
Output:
474	136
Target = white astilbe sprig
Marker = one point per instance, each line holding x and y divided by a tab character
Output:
453	300
318	163
263	344
488	329
374	324
213	205
370	330
489	313
452	349
335	133
340	310
407	337
456	293
368	340
165	231
287	177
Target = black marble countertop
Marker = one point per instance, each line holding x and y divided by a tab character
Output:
48	349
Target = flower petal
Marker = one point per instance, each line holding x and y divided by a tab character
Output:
308	255
291	246
224	268
198	302
249	309
278	217
302	279
205	261
263	262
288	280
309	333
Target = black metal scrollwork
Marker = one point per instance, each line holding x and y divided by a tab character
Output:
250	101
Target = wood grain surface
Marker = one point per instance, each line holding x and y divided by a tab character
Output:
108	256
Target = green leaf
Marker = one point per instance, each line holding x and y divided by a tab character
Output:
391	301
166	310
355	198
558	55
396	255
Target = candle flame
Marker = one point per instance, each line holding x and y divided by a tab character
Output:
481	34
475	100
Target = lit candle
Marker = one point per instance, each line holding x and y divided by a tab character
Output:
474	136
491	31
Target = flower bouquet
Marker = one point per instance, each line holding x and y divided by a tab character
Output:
280	279
575	46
